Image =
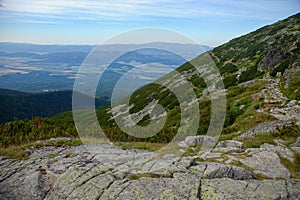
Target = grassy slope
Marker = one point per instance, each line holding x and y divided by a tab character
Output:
241	57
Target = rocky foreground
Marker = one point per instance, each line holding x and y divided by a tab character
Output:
107	172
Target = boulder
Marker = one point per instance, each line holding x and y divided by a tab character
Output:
281	151
231	143
291	103
193	141
266	163
229	146
210	170
228	150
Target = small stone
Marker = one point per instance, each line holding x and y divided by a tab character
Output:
182	144
291	103
210	155
241	107
297	143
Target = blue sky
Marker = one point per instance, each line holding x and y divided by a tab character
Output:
209	22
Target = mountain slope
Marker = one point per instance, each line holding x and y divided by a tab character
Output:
264	52
272	48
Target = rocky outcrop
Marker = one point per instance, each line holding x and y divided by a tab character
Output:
225	188
193	141
229	146
266	163
212	170
106	172
263	128
271	59
230	143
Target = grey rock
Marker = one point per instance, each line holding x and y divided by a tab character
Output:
293	188
296	149
228	150
208	155
241	107
105	172
192	141
182	186
225	188
281	151
31	184
263	128
266	163
182	144
291	103
167	165
211	170
230	143
297	143
61	138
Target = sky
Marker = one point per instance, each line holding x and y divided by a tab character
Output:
208	22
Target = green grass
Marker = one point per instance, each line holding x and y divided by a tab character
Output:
257	141
240	120
15	152
228	136
293	91
192	152
288	134
19	152
293	167
53	155
148	175
68	154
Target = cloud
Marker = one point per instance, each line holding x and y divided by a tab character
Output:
1	4
11	71
122	10
38	21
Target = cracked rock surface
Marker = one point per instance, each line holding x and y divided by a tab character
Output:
106	172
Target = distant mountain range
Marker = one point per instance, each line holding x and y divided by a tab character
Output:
37	68
12	47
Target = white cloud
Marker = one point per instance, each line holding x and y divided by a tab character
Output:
11	71
135	9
